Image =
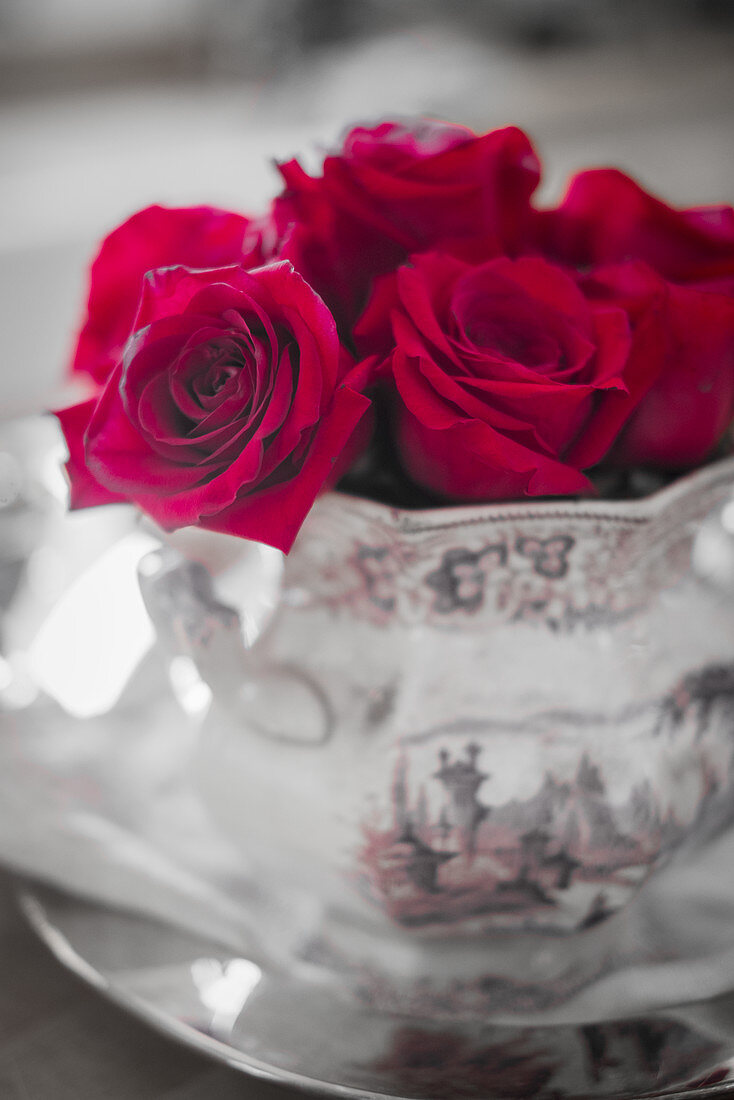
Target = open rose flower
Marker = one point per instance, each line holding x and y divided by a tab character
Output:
509	381
395	189
231	408
199	236
605	227
514	349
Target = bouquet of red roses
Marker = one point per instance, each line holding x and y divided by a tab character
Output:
408	322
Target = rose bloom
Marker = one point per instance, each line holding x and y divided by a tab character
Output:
199	236
400	188
627	245
508	381
231	407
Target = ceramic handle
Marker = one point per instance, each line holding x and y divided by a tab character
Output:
190	621
269	697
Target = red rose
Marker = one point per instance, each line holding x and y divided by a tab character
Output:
509	382
394	190
156	237
690	405
607	218
230	408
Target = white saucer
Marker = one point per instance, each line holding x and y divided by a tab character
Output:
301	1031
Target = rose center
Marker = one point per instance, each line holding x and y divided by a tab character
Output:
215	369
490	334
220	376
515	340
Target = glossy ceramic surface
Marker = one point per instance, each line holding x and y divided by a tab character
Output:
289	1028
468	735
308	767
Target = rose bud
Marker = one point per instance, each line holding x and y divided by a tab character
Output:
508	382
231	408
199	236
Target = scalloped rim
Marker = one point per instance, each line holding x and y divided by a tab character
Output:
640	510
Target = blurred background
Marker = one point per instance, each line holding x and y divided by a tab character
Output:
105	108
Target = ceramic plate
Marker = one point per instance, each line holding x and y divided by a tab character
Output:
298	1030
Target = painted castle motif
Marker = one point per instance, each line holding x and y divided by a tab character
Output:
565	857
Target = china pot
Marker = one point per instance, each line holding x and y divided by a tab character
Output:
462	739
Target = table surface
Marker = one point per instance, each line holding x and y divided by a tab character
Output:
60	1040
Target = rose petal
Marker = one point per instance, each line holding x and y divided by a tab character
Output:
120	458
543	282
472	461
644	297
155	237
606	217
691	403
186	505
274	514
85	490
